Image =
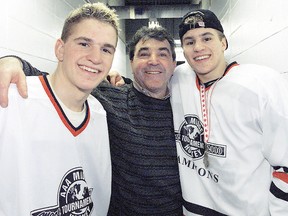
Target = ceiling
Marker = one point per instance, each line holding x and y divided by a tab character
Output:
154	2
168	13
137	13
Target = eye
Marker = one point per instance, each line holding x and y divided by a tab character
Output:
164	54
207	38
108	50
143	54
189	43
84	44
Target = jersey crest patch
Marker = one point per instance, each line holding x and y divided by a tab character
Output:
191	139
74	197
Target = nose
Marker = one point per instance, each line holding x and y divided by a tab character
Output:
153	59
198	46
95	55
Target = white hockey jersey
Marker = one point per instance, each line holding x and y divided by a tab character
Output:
246	122
47	166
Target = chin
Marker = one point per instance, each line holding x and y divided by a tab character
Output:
88	86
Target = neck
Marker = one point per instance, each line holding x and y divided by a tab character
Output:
215	74
68	97
210	82
159	95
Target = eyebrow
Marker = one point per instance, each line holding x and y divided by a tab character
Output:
91	41
201	35
143	49
161	49
207	33
83	38
164	49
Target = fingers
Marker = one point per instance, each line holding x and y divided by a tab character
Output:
11	72
22	86
3	94
4	87
115	78
121	82
108	78
117	81
112	80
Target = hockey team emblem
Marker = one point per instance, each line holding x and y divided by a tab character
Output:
191	137
74	197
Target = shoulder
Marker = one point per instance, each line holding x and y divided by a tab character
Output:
107	89
36	93
183	69
258	77
33	87
254	73
183	74
95	106
256	70
36	89
111	93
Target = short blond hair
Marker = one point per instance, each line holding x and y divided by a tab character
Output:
98	11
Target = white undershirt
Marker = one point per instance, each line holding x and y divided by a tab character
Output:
76	118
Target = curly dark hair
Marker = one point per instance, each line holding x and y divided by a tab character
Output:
145	33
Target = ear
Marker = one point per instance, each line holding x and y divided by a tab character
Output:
224	43
184	54
175	64
59	50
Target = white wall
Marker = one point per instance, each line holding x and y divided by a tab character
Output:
29	29
257	32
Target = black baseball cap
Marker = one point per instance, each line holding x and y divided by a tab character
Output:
199	18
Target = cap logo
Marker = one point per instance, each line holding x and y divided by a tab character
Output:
195	19
202	24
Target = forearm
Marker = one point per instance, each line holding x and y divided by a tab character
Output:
28	69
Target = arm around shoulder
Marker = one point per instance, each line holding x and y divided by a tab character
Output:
11	71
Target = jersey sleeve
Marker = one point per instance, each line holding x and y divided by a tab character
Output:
275	139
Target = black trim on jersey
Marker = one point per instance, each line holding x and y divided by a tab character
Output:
209	83
278	193
201	210
285	169
62	111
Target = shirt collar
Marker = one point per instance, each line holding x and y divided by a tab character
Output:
147	93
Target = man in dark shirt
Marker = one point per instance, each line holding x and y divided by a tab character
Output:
145	177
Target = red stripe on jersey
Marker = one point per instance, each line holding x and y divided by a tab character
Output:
281	175
61	114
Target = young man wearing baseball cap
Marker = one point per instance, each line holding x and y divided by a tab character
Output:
231	123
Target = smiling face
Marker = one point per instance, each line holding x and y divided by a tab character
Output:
85	58
153	66
204	51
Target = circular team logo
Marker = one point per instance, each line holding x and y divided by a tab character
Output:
74	197
74	194
191	137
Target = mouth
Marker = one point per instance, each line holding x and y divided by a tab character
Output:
199	58
152	72
89	69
